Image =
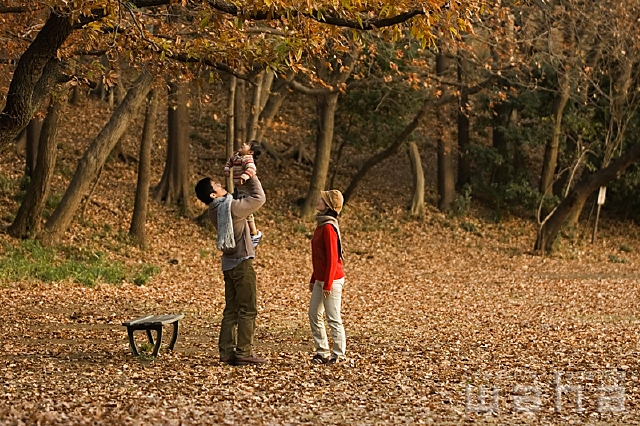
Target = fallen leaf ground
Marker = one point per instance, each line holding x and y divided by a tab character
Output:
431	311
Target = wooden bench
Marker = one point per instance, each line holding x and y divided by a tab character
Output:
153	322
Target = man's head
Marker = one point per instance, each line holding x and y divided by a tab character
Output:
207	190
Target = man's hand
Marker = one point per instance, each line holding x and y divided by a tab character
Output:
326	293
311	286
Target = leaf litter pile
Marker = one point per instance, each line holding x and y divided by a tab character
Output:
435	311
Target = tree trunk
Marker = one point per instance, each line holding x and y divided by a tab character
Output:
94	157
500	121
339	152
570	149
87	198
551	150
417	204
267	82
139	218
231	114
33	77
21	140
272	106
101	91
327	105
118	153
240	116
174	185
74	98
256	107
517	162
33	137
27	221
577	197
574	216
446	173
464	165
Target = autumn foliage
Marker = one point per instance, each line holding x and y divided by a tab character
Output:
469	268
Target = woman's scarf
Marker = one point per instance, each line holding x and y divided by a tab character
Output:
225	223
324	219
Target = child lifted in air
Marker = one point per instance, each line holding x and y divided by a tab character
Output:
243	166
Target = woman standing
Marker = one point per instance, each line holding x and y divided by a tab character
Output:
327	280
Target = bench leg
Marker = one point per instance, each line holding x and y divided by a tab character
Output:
174	337
156	348
132	343
149	336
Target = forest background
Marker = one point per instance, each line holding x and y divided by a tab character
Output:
470	140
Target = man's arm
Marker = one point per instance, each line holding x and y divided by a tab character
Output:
250	204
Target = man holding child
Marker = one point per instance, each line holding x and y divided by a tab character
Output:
229	217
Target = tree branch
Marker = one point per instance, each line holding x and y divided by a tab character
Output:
15	9
50	75
316	15
26	79
183	57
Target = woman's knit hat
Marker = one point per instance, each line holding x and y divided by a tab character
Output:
333	198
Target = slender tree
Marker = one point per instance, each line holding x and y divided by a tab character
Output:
230	145
27	221
417	203
445	148
139	217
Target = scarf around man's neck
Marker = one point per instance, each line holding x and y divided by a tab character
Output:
225	223
324	219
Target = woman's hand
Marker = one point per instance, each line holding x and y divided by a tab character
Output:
326	293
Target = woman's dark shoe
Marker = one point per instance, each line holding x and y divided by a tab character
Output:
319	359
335	360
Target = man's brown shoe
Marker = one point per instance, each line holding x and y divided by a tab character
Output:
231	360
250	359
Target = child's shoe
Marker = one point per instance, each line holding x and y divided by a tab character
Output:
255	239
